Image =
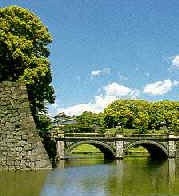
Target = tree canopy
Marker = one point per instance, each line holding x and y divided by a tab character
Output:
24	54
142	115
130	116
90	119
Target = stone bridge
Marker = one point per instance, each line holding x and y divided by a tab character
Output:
116	146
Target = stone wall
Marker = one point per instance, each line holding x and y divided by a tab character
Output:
20	144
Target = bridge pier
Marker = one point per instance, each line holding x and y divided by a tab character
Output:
119	147
171	147
60	150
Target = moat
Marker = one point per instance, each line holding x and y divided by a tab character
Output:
133	176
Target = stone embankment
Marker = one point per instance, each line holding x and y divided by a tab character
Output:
20	144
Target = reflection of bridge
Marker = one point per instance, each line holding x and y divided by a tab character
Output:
171	172
116	146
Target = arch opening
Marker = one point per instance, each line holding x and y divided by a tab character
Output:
103	148
155	150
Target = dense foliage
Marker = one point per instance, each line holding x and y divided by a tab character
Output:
89	119
44	122
24	54
142	115
131	116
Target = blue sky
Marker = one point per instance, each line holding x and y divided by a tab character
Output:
105	50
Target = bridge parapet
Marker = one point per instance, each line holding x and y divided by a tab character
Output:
118	143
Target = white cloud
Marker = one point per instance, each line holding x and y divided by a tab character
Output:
101	72
96	72
160	87
175	61
76	109
111	93
96	106
116	89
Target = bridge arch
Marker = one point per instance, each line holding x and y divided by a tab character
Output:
156	150
104	148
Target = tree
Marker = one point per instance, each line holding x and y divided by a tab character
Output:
166	112
44	122
142	115
24	54
124	112
141	121
90	119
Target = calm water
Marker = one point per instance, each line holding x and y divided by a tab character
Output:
129	177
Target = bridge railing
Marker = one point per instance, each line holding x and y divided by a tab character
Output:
90	135
105	135
145	135
111	134
83	135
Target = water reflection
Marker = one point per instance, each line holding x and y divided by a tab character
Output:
131	177
128	177
171	171
172	174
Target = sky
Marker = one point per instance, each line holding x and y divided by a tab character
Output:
107	50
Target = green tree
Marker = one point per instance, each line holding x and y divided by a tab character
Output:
44	122
90	120
24	54
166	112
172	120
124	112
142	115
141	121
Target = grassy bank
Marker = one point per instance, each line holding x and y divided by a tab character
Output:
83	148
87	148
